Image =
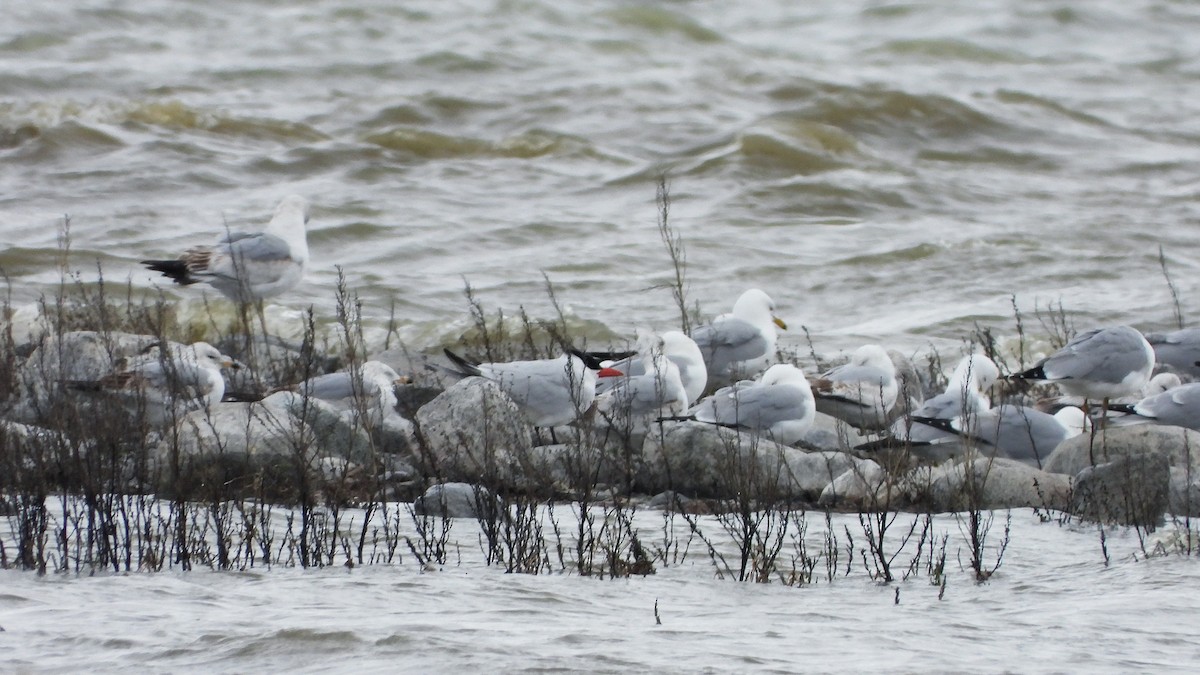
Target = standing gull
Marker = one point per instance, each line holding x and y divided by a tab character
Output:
742	342
779	406
1102	363
248	266
861	392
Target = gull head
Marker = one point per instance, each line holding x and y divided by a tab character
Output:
756	307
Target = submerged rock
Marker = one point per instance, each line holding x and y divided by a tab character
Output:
864	486
453	500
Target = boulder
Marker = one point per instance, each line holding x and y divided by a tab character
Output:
1180	446
472	430
707	461
861	487
977	482
237	449
1132	489
337	433
84	356
452	500
1184	493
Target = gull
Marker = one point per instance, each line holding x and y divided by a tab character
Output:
656	392
248	266
551	392
1179	349
679	348
371	389
1178	407
964	394
779	406
1102	363
164	388
1017	432
741	342
860	392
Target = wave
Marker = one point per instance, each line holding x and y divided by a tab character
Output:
434	145
31	120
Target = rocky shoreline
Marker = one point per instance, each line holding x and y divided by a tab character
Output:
436	439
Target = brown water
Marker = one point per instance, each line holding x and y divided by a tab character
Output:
888	172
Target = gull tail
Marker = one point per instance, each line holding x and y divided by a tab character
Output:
1034	373
937	423
175	270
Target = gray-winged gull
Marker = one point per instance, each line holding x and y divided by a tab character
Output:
1017	432
163	388
1102	363
779	406
742	342
248	266
1179	407
1179	349
861	392
637	400
973	376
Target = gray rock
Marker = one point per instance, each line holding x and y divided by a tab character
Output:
84	356
707	461
995	483
1130	490
234	449
269	358
336	433
397	435
472	430
1184	493
452	500
567	468
859	487
1180	446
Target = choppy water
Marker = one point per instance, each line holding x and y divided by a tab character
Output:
889	172
1053	606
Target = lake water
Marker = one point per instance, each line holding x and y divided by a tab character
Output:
1053	606
890	172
